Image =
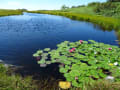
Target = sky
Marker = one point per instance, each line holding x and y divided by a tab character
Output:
42	4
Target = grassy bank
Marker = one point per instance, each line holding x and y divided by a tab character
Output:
81	10
111	9
104	22
16	82
5	12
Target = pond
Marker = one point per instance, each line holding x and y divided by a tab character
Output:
23	35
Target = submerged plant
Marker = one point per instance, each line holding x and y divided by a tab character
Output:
82	62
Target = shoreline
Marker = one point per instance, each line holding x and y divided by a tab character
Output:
10	12
102	21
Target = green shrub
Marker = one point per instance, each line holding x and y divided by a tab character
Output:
93	3
108	9
83	62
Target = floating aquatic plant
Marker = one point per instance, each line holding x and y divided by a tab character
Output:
64	84
83	61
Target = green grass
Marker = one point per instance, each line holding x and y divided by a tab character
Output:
14	82
83	10
100	85
6	12
110	9
104	9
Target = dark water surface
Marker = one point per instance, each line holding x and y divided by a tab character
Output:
23	35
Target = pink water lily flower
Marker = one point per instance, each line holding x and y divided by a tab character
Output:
70	50
109	48
73	49
76	78
81	41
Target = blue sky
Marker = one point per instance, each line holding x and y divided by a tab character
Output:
42	4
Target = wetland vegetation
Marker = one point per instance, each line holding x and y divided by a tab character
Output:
84	64
11	81
7	12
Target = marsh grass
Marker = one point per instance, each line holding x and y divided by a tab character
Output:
15	82
5	12
103	85
49	83
97	85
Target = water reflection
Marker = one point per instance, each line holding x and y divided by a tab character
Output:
118	37
117	32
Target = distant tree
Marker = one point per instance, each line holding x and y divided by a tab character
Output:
81	6
73	7
93	3
23	10
64	7
113	0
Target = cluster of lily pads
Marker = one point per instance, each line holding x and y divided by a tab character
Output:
83	61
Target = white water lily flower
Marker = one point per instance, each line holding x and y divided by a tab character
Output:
116	63
109	78
95	52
